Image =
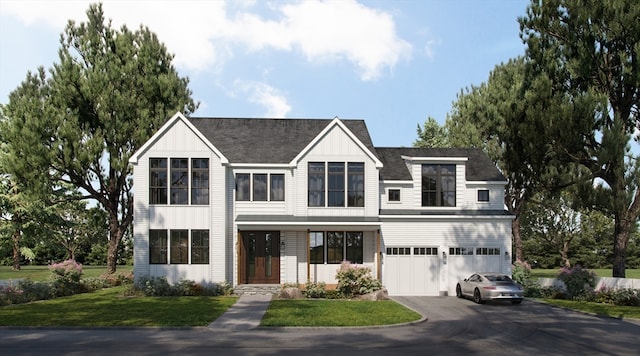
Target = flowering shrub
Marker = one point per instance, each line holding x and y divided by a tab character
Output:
354	280
66	277
579	281
622	296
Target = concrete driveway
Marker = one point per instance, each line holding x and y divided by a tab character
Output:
454	326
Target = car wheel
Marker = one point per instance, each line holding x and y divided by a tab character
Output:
516	301
477	297
459	291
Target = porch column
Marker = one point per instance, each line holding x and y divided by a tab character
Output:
308	256
378	256
239	263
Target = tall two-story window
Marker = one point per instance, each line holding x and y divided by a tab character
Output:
179	181
277	187
158	181
200	181
316	183
439	185
335	184
355	184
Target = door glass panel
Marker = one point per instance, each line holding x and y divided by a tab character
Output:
251	258
268	239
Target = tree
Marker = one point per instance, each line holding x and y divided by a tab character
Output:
431	134
111	90
588	52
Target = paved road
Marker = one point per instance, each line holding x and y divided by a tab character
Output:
454	326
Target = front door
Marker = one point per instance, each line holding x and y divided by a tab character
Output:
261	260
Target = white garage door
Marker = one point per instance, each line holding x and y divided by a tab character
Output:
411	270
464	261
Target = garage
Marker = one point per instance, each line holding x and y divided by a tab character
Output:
464	261
411	270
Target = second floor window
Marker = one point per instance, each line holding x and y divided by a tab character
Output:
170	181
259	187
330	185
439	185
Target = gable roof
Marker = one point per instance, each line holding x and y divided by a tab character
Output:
245	140
478	165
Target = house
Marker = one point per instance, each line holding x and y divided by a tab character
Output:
273	201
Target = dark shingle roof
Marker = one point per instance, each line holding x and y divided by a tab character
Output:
479	166
269	140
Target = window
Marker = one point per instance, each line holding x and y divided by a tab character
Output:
483	195
199	246
316	247
335	184
353	244
179	247
243	188
355	184
491	251
432	251
439	185
277	187
460	251
158	181
316	184
394	195
396	251
259	187
157	246
200	181
335	245
179	181
340	189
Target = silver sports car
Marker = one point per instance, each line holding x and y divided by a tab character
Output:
490	286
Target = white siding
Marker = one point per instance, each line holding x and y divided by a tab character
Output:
407	195
496	196
180	142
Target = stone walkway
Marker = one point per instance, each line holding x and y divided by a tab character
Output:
245	314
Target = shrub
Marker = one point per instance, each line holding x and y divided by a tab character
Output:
159	287
579	281
626	297
534	290
66	278
36	290
155	286
315	290
354	280
521	272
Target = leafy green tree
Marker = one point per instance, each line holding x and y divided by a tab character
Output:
431	134
111	90
587	54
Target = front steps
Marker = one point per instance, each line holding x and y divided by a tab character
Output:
241	289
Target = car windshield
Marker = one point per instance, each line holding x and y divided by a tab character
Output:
498	278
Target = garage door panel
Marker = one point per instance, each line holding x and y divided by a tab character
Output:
411	273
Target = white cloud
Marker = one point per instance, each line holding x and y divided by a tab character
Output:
270	98
204	34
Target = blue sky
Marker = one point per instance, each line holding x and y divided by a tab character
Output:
391	63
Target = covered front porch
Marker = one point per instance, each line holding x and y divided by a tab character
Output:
286	249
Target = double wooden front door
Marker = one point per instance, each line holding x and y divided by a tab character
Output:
260	260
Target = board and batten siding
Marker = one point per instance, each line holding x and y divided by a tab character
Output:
337	146
181	142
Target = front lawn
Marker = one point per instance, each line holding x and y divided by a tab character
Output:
598	308
336	313
42	273
109	307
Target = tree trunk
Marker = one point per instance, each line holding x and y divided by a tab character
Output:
16	250
620	241
564	254
517	239
116	232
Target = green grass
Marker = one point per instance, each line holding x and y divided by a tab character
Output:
336	313
108	307
600	272
42	273
598	308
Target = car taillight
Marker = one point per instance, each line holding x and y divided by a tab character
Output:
489	287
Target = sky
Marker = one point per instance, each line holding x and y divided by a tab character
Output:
391	63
